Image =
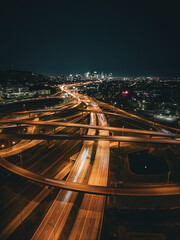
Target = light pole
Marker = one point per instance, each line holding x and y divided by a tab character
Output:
169	174
20	157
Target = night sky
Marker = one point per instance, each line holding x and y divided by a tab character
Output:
125	37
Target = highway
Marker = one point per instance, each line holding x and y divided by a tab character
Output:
64	107
25	144
53	224
15	149
77	125
90	137
84	191
38	163
118	113
54	221
126	189
105	138
100	146
130	115
88	222
29	208
34	104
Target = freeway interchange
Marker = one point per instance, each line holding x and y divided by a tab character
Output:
84	177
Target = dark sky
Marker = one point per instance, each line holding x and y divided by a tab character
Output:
125	37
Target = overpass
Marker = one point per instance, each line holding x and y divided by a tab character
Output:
123	114
126	189
89	137
155	124
78	125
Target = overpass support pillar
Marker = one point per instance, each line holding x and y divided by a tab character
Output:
21	160
80	131
119	146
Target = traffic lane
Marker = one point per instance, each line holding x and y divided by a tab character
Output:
25	145
79	125
88	218
89	137
26	189
126	189
90	214
62	205
26	211
147	122
50	171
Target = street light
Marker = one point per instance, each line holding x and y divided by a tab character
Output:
168	177
20	157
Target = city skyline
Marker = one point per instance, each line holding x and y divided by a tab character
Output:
83	74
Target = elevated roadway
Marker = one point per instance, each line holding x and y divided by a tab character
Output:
126	189
62	108
28	209
89	219
24	145
90	137
118	113
90	215
113	108
78	125
53	223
